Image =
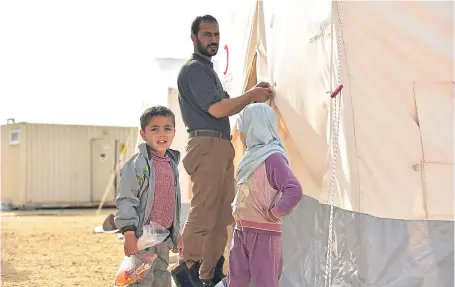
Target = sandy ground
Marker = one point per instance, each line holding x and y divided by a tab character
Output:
57	248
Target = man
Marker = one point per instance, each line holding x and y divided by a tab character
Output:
206	108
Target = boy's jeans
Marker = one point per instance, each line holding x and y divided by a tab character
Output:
158	275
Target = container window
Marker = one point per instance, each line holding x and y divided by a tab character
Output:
14	137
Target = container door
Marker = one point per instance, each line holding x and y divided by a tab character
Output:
102	173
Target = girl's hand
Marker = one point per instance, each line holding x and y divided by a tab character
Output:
130	245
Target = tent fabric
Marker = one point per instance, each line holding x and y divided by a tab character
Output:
367	251
393	221
396	130
238	59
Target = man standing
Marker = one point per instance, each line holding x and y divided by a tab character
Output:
205	109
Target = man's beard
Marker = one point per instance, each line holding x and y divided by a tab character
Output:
205	50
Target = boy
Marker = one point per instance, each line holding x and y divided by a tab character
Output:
149	191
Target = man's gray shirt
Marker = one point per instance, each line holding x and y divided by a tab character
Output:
199	88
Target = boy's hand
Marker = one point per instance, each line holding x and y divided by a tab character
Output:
130	245
180	247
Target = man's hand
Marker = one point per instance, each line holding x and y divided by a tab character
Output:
130	245
229	107
260	94
180	247
263	85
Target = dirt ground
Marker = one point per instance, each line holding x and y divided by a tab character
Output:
57	248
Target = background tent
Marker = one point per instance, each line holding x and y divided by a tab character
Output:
393	219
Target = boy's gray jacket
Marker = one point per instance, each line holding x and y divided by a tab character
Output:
136	192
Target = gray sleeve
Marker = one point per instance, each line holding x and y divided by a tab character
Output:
127	199
202	87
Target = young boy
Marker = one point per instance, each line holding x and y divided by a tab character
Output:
149	191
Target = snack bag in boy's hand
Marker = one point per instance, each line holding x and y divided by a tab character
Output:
134	268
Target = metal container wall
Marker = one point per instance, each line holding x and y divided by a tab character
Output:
61	165
13	163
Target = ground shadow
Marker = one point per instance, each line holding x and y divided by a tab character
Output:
11	274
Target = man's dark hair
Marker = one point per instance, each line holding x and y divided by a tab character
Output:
197	22
155	111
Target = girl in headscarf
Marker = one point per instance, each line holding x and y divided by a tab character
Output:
267	190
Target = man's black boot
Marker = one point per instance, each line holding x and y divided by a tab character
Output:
181	275
219	275
184	277
194	274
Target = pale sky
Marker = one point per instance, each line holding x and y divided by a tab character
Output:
90	62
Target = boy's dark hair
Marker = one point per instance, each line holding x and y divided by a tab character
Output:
197	22
155	111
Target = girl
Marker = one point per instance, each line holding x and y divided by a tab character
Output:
267	190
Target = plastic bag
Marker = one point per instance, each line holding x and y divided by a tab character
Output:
134	268
153	234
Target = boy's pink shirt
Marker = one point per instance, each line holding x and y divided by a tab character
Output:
163	210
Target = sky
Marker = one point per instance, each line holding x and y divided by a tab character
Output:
90	62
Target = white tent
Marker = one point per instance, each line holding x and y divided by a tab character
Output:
393	197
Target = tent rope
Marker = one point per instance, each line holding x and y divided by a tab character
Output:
336	124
